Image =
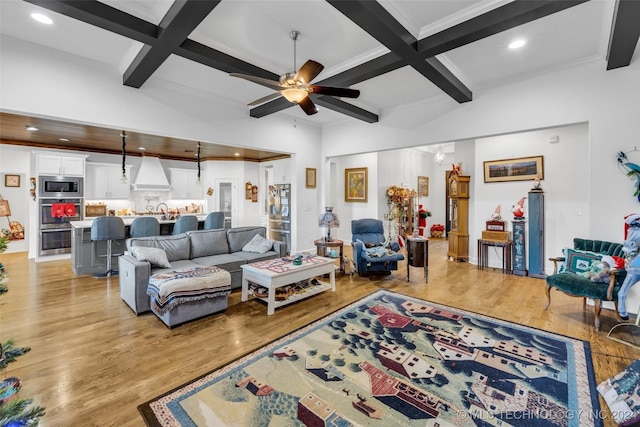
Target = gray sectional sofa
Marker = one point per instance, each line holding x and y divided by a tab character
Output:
221	247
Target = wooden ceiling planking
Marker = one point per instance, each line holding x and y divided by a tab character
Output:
96	139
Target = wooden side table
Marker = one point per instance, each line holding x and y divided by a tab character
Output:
326	248
418	255
483	253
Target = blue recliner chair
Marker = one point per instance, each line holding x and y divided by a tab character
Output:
374	259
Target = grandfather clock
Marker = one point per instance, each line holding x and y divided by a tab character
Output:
459	211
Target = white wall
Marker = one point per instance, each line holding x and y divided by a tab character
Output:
18	197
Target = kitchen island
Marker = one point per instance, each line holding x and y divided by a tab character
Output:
88	257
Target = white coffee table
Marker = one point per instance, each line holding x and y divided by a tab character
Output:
279	272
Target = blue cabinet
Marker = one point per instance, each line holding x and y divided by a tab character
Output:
536	234
519	248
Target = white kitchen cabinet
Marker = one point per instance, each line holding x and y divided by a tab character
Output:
50	164
103	181
183	184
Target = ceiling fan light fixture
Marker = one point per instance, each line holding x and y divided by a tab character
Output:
294	94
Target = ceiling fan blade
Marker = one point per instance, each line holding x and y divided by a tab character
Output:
342	92
272	84
308	71
265	99
308	106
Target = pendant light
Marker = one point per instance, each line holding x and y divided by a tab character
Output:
198	181
439	157
123	178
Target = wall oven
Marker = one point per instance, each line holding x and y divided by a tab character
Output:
60	186
54	225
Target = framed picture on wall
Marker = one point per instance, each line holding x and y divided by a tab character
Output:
520	169
4	208
423	186
355	185
12	180
311	178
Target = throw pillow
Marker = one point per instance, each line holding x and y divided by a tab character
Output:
577	261
620	393
155	256
258	244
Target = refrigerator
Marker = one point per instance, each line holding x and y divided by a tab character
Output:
279	208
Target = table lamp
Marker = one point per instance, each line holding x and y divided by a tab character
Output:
329	220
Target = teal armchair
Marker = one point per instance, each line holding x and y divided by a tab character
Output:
566	277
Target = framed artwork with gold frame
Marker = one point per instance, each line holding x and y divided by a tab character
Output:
4	208
355	185
11	180
311	175
423	186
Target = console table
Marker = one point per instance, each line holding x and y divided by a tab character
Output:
483	253
418	255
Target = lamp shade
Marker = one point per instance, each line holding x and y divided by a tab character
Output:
329	220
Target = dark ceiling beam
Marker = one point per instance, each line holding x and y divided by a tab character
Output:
506	17
271	107
345	108
180	20
213	58
106	17
624	34
381	25
365	71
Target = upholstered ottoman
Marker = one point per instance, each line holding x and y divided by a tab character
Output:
179	296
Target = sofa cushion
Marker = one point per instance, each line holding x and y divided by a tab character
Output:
155	256
577	261
238	237
254	256
177	247
208	242
258	245
229	262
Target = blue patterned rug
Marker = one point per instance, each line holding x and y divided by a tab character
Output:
393	360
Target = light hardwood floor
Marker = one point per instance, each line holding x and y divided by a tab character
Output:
93	361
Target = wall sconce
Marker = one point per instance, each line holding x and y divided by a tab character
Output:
123	178
438	158
198	181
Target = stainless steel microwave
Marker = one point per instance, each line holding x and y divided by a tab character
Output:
60	186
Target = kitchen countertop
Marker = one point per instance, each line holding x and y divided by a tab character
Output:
129	219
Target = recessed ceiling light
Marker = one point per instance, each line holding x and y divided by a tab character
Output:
63	139
236	154
517	44
31	128
141	148
42	18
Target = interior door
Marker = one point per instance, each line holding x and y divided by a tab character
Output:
226	201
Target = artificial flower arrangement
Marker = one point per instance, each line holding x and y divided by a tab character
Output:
425	214
437	230
400	194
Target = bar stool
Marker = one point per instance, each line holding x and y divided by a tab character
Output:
214	221
185	223
107	228
144	226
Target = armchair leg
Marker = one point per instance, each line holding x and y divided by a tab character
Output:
548	292
598	307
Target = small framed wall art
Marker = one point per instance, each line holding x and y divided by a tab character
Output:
355	185
12	180
423	186
311	176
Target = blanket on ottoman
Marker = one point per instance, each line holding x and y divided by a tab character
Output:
170	288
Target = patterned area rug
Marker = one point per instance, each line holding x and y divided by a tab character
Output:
393	360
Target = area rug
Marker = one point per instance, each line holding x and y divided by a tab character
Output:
393	360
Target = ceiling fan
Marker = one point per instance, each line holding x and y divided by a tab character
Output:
296	86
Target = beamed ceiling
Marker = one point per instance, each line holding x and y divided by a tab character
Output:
396	52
